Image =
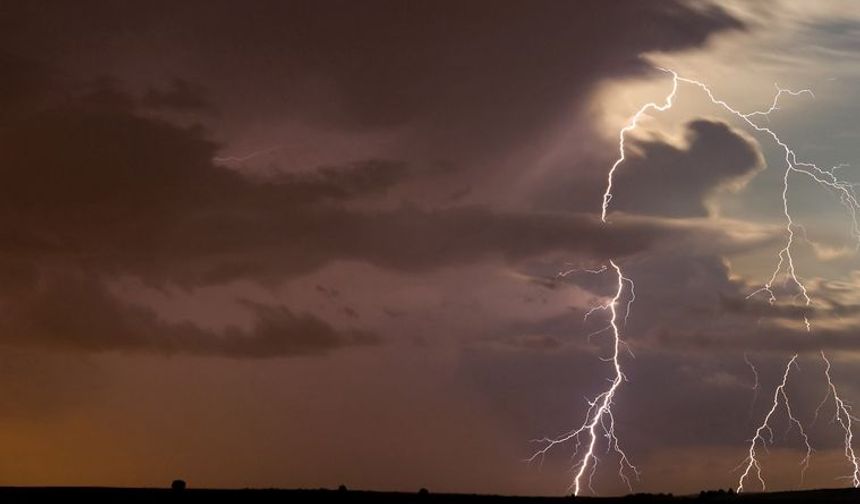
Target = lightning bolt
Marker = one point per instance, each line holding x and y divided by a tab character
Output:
845	419
785	262
822	177
634	122
751	461
755	385
599	411
599	419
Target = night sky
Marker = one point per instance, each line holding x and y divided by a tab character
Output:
311	243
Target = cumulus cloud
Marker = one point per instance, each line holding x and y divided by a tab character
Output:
661	178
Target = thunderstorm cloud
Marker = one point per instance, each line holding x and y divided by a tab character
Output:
265	219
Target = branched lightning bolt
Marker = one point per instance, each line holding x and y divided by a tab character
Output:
785	265
845	419
779	395
822	177
599	419
825	178
667	104
599	415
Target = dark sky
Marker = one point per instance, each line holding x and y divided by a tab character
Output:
309	243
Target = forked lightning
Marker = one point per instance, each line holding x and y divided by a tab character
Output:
599	419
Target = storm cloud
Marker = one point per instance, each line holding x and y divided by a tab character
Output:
265	218
660	178
123	193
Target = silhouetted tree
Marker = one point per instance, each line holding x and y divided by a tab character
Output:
177	485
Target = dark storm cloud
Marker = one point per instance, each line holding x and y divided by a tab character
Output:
477	76
693	305
179	95
696	305
116	192
659	178
125	194
74	310
98	187
115	204
472	78
122	194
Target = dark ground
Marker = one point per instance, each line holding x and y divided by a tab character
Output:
157	495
